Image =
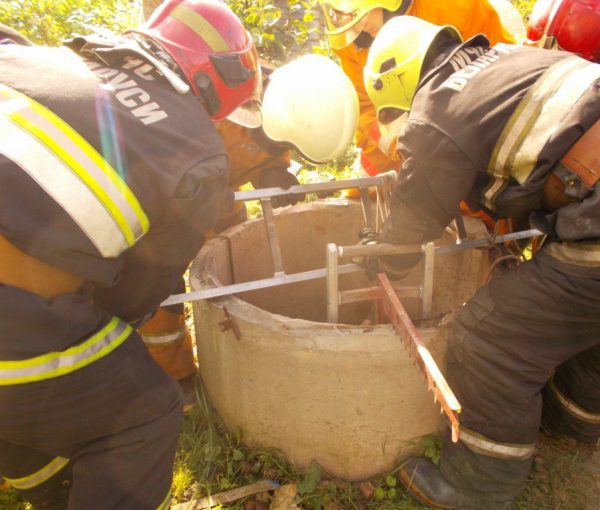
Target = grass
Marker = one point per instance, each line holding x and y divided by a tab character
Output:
211	459
216	460
565	475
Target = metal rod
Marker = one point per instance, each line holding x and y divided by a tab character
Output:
370	293
367	207
487	241
267	209
372	249
375	250
460	228
357	295
333	297
238	288
428	266
315	187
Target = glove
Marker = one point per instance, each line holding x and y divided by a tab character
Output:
394	266
404	225
370	264
278	178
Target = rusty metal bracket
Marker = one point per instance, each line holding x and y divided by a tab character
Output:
406	330
229	324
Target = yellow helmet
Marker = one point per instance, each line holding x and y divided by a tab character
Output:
395	61
345	19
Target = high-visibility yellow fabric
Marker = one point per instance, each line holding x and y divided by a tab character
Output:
40	476
72	172
55	364
470	17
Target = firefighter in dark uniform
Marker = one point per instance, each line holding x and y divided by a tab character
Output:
515	131
111	170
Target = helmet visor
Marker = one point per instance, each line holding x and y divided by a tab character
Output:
247	115
343	27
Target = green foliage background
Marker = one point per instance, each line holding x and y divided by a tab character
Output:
47	22
281	28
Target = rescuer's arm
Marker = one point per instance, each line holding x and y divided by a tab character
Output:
435	177
277	177
153	267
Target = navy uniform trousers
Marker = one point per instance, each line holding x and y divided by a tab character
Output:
102	436
526	345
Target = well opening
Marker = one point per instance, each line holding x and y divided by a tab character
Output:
304	232
347	394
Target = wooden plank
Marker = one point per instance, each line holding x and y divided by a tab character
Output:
228	496
418	350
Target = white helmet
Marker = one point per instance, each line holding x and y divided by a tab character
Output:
312	105
510	18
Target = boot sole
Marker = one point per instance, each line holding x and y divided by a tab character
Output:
414	491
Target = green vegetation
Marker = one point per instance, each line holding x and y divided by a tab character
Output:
211	460
47	22
523	6
280	26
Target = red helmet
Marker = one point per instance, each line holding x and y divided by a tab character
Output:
215	53
570	25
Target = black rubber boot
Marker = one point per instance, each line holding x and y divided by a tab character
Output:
424	481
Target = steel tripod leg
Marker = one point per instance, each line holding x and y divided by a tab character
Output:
267	209
333	299
428	266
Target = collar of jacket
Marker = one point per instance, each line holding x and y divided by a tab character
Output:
109	51
445	56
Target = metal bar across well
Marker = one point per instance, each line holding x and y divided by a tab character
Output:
256	285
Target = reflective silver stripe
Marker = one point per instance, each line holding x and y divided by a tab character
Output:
39	477
55	364
484	446
579	254
535	120
572	408
72	172
163	339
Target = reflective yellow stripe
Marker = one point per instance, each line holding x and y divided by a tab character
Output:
485	446
535	120
202	27
165	504
55	364
39	477
72	172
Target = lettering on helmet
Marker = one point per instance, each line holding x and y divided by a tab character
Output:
127	90
469	62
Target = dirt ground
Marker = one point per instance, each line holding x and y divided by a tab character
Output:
565	476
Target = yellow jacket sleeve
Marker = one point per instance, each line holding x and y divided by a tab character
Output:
470	17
